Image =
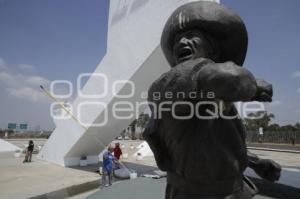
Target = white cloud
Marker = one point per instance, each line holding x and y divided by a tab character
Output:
18	80
296	74
275	103
2	64
26	66
27	93
25	87
36	80
6	78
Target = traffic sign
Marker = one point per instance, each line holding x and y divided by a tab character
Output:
23	126
12	126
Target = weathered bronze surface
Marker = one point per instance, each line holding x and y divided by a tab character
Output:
205	154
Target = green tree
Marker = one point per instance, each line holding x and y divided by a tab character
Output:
132	128
123	134
288	128
142	122
297	126
259	119
274	127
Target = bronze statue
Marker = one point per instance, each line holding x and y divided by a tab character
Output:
205	153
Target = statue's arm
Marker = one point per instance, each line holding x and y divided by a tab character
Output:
265	168
252	159
230	82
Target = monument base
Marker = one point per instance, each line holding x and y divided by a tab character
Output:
75	161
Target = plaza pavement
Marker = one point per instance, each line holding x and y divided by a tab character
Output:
41	179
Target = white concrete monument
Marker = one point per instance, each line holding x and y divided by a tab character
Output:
7	149
144	150
133	54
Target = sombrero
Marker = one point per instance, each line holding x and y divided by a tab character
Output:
216	20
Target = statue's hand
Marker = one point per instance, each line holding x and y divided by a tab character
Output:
268	170
264	91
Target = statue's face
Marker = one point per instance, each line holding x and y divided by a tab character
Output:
191	45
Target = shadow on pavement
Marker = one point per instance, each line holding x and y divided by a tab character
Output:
139	168
274	190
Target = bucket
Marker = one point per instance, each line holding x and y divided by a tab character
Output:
17	154
133	175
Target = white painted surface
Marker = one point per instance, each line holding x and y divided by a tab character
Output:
8	147
133	53
144	150
8	150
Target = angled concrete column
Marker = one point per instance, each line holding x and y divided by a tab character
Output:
133	53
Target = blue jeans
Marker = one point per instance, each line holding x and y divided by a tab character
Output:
105	175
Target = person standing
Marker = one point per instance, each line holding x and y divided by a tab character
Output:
29	151
260	134
118	151
108	160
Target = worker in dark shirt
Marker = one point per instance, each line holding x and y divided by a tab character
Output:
117	151
29	151
194	131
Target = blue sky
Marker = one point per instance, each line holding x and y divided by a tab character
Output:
45	40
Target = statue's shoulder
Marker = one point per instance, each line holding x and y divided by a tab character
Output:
181	74
184	69
193	65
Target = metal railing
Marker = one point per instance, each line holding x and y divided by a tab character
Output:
287	137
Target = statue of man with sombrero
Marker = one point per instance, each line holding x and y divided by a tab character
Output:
205	153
